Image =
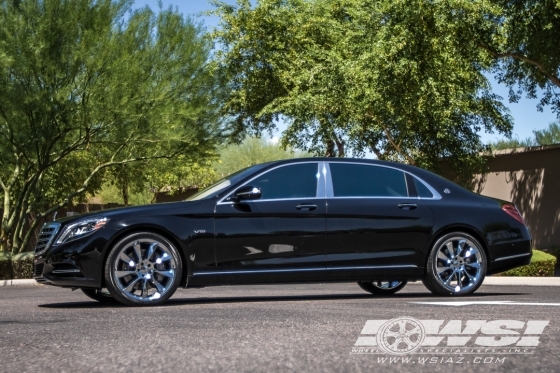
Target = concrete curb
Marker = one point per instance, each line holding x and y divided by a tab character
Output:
522	281
23	282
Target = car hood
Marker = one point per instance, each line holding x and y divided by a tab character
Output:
131	210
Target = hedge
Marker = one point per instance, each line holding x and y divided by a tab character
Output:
22	265
542	265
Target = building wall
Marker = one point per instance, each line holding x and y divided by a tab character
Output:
530	178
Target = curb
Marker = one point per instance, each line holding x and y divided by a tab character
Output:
23	282
522	281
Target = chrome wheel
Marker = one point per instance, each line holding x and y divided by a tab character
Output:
382	287
143	269
457	265
386	284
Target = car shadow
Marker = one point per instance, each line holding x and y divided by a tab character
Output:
280	298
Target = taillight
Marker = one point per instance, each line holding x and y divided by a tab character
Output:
512	211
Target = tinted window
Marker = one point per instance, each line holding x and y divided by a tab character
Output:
220	185
294	181
422	190
355	180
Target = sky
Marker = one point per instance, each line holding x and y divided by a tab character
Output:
525	115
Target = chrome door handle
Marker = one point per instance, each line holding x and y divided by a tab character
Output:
306	206
407	206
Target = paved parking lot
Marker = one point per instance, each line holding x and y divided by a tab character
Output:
281	328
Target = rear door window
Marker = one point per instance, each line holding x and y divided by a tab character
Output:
358	180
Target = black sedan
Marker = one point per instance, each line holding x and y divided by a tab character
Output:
316	219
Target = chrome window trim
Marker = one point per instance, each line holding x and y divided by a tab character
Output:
330	192
318	189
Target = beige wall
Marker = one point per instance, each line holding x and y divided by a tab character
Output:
529	177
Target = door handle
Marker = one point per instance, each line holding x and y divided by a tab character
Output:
306	207
407	206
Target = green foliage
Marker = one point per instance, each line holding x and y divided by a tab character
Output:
523	38
542	265
250	152
89	86
23	265
547	136
403	79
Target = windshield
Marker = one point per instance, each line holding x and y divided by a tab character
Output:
222	184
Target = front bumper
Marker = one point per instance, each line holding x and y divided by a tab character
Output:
74	264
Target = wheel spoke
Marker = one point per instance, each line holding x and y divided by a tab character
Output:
158	286
125	258
460	247
121	274
170	273
144	289
136	248
151	249
458	276
449	246
471	278
132	284
449	278
474	265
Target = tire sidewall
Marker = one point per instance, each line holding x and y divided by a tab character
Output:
112	284
431	281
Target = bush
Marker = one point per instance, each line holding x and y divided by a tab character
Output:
22	265
542	265
5	266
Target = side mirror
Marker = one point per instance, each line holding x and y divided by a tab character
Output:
247	192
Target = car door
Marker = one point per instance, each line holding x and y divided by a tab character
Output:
373	221
279	235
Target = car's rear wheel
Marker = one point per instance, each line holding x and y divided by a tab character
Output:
382	287
456	265
100	295
143	269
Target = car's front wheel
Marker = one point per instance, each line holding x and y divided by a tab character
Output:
143	269
382	287
456	265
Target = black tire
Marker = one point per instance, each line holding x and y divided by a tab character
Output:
382	287
143	269
100	295
450	271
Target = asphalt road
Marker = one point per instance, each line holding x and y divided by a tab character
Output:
280	328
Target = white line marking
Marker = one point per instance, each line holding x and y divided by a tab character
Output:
472	303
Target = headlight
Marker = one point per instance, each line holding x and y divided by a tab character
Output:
80	229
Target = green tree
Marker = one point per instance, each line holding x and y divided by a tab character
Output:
403	79
547	136
87	85
523	37
250	152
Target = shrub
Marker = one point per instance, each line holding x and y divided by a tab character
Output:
22	265
542	265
